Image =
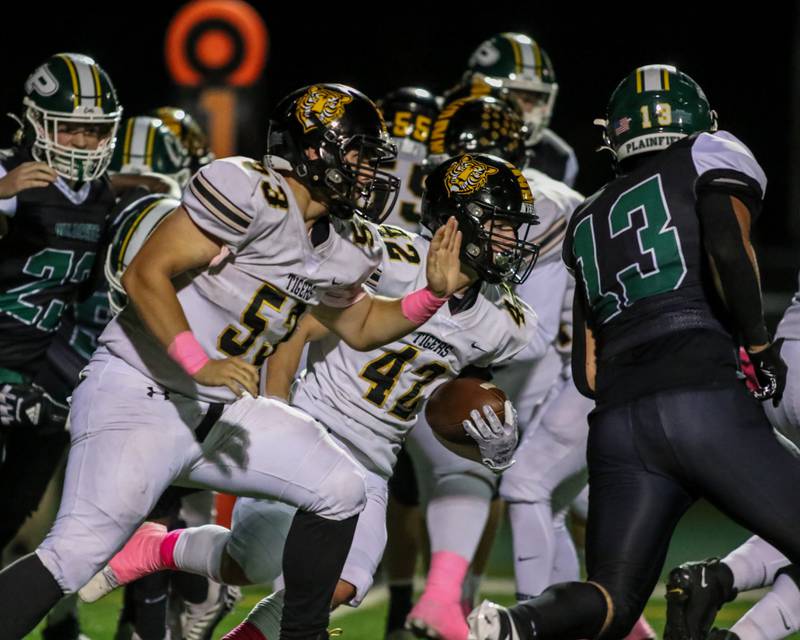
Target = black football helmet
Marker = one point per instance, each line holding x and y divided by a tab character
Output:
480	124
315	129
409	113
493	204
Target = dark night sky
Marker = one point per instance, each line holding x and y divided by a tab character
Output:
742	60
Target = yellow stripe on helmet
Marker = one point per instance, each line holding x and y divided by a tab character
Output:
665	79
517	54
98	102
638	81
126	147
151	138
74	75
130	233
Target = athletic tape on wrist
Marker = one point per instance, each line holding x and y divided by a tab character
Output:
420	305
187	352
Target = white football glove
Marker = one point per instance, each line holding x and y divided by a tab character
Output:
496	441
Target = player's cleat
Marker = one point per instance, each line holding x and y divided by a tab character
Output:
66	629
695	592
140	556
198	621
490	621
722	634
641	631
433	619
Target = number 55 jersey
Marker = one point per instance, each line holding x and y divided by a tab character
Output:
370	400
637	247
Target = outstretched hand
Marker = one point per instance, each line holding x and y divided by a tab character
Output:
443	267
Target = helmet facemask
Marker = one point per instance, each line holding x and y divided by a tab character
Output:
496	244
353	178
70	162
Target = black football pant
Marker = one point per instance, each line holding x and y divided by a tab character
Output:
30	458
649	460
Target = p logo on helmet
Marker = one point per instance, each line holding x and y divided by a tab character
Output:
320	105
467	175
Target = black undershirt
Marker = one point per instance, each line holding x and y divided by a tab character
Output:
696	358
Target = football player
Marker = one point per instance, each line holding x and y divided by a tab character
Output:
514	67
172	390
554	457
370	401
654	346
55	200
409	113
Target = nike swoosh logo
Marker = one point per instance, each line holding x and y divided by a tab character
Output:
154	600
475	346
783	619
524	558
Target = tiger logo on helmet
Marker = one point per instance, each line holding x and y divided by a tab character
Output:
467	175
320	105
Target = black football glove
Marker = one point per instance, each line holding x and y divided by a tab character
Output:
30	406
770	370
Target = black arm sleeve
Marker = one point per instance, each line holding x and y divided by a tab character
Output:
722	239
474	371
579	342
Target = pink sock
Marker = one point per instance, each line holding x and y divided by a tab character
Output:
167	548
245	631
641	630
445	577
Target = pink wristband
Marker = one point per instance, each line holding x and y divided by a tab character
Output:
187	352
420	305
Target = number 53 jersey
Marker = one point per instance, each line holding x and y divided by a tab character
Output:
252	299
636	244
371	399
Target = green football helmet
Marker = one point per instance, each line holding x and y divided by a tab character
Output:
190	133
69	92
653	107
135	225
516	64
146	145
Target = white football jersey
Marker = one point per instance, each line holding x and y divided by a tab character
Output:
253	298
408	169
547	284
371	399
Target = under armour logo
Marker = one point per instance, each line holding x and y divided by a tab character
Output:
152	391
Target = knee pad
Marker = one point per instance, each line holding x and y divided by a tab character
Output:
344	494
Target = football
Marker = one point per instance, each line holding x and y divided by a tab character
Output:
451	403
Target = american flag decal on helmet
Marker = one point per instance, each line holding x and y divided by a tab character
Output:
622	125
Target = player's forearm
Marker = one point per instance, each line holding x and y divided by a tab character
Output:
726	237
584	363
370	323
284	362
156	302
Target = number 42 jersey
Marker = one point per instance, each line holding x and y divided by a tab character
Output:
371	399
636	245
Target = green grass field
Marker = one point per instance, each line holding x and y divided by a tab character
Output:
702	533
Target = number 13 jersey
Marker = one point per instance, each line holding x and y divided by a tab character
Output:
636	245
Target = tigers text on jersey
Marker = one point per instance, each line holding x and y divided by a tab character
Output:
371	399
636	244
51	246
252	300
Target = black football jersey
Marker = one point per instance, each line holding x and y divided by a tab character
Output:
553	157
636	247
49	251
